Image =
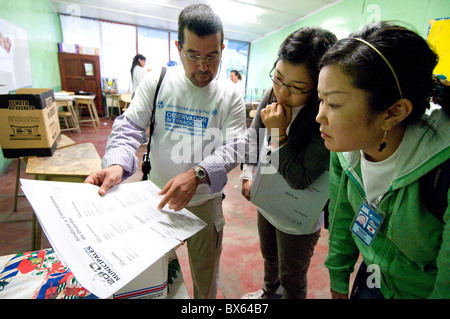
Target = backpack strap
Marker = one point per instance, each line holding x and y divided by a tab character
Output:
146	158
434	189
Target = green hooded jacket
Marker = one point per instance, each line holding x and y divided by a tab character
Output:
412	246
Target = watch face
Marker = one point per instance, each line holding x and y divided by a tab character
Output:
200	173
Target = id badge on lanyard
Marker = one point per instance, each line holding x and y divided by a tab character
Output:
367	223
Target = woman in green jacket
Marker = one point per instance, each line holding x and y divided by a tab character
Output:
375	87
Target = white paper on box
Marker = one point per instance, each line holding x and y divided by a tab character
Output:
301	208
106	241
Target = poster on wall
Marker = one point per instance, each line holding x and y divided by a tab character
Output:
439	39
15	68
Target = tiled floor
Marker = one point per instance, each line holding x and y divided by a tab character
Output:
241	262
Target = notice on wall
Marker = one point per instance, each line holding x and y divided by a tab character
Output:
439	39
15	67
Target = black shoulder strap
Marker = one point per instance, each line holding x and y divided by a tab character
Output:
434	188
146	157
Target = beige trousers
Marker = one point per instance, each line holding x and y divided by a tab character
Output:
205	247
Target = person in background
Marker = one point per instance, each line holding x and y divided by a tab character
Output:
137	71
287	112
236	78
189	159
375	87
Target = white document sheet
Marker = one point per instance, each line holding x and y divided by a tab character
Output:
301	208
296	207
107	241
271	193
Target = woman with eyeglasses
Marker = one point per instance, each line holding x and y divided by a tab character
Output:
285	118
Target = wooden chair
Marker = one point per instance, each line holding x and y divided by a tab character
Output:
126	99
252	112
87	101
68	115
115	103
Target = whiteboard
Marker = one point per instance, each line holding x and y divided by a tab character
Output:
15	68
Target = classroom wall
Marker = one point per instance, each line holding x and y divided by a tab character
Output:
343	18
43	28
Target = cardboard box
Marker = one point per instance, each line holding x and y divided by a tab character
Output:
150	284
29	123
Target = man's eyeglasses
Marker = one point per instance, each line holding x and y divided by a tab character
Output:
210	59
291	88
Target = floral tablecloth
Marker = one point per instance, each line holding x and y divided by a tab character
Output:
41	275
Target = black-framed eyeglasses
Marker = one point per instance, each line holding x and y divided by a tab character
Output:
210	59
291	88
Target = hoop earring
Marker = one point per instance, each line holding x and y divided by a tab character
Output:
383	144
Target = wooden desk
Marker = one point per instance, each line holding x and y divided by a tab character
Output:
63	142
68	164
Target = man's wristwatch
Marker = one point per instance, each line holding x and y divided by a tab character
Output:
200	173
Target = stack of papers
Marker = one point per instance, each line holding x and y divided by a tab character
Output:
107	241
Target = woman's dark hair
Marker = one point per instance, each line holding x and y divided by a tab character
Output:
409	55
237	73
306	46
199	19
136	62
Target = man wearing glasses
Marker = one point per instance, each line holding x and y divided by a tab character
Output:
199	136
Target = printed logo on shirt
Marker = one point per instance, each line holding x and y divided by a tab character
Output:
186	120
160	105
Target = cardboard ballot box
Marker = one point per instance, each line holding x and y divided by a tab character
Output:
150	284
29	123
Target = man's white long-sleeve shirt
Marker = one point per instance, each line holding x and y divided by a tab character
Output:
193	126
